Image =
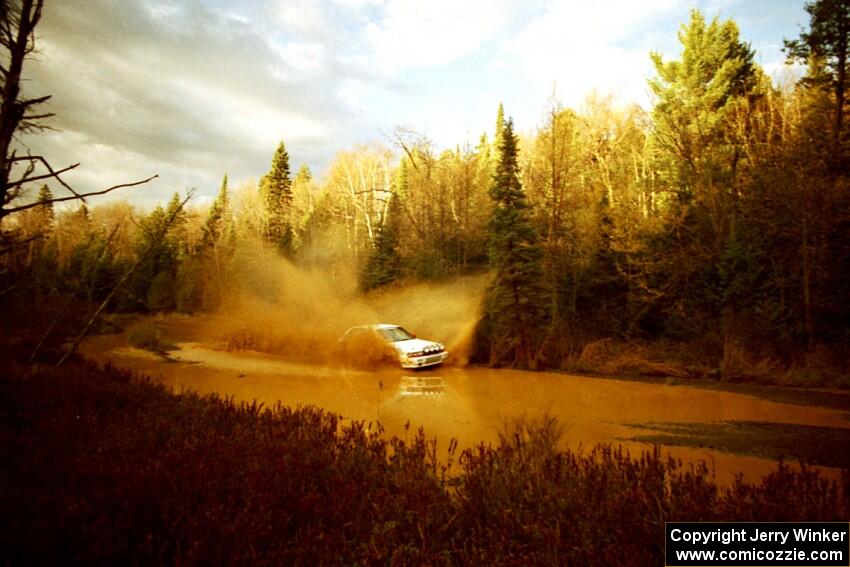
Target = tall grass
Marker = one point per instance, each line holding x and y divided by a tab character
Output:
145	335
704	359
101	466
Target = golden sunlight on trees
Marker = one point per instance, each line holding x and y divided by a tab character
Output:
701	241
825	47
515	312
715	221
276	188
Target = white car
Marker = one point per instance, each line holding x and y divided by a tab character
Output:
410	351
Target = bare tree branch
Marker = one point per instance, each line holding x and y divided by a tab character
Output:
80	195
127	275
33	101
39	116
52	174
101	257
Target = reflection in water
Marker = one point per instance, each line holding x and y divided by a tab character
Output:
427	386
472	405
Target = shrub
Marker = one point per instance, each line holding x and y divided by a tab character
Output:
144	335
99	466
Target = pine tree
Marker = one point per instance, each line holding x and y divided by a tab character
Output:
828	40
277	192
384	264
213	227
515	313
697	97
497	137
36	225
45	209
83	214
500	124
700	97
158	246
304	174
403	180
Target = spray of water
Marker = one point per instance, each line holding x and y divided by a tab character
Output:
272	305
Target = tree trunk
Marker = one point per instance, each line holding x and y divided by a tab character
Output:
11	112
807	283
841	55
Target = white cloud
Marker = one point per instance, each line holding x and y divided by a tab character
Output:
423	34
357	4
142	88
249	122
580	46
304	16
190	91
307	58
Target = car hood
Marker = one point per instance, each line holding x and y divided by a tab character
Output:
413	345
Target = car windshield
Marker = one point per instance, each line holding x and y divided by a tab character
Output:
395	334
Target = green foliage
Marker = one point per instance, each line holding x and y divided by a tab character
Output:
304	174
159	251
276	187
217	218
144	335
92	271
45	209
694	97
384	265
515	302
737	274
160	295
499	132
827	36
825	48
189	285
403	181
602	292
718	220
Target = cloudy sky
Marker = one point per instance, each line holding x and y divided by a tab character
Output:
193	89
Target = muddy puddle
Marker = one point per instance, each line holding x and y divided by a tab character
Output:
473	404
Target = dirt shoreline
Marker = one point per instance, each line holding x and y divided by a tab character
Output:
472	404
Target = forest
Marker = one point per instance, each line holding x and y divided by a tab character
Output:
712	230
701	242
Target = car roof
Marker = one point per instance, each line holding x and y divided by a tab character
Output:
376	327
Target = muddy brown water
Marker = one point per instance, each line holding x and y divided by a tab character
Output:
470	404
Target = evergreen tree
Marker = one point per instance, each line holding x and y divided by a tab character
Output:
828	41
277	193
304	174
384	264
515	314
304	193
90	270
694	98
83	214
500	124
35	226
158	248
213	227
701	100
45	209
497	137
403	180
698	97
